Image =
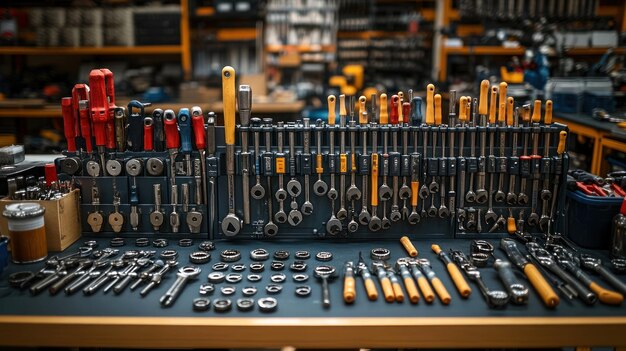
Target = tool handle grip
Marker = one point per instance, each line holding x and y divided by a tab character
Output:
370	288
427	291
394	105
613	280
416	111
349	291
342	105
543	288
411	290
430	104
511	226
463	109
398	292
414	193
459	281
68	123
562	140
184	128
319	167
148	139
385	284
374	180
198	132
547	118
228	100
536	112
172	138
438	113
332	101
493	104
405	113
362	116
501	101
383	116
484	95
510	102
408	246
441	290
606	296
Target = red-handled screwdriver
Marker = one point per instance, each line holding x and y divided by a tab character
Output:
99	112
80	100
172	140
148	140
68	123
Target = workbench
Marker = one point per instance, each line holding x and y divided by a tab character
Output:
130	321
605	137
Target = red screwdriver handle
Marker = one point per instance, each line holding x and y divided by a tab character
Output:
148	138
172	137
99	106
393	109
406	111
197	124
68	123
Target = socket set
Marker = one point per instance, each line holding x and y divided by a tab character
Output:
377	166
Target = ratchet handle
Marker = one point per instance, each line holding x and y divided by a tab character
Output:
349	291
411	290
543	288
458	279
441	290
385	284
370	288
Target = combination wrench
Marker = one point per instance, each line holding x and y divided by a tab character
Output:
333	225
307	206
481	192
294	188
279	166
270	229
245	104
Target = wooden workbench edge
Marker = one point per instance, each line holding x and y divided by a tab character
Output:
311	332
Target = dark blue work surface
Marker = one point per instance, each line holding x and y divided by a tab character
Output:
129	303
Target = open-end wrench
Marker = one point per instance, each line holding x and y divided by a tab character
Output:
244	102
470	196
490	215
384	193
333	225
307	206
451	169
320	188
364	215
595	265
354	193
386	222
375	223
535	159
513	165
231	224
425	129
342	213
500	196
545	194
405	190
279	166
522	198
257	191
481	192
443	211
294	188
270	229
394	119
462	163
518	291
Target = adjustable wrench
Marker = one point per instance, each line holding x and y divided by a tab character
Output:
231	224
244	102
481	193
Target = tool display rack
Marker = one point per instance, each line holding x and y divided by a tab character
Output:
426	163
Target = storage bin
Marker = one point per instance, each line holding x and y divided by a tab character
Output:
588	220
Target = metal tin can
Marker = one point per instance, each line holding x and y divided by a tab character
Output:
27	232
